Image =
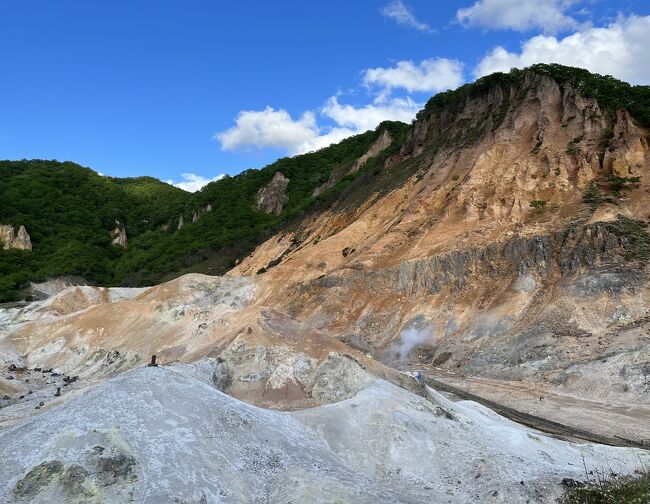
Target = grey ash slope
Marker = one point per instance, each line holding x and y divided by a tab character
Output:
157	435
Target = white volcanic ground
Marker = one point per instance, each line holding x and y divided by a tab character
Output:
127	433
155	435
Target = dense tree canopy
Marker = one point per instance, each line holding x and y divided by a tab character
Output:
69	212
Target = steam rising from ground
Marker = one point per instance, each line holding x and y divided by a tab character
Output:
416	333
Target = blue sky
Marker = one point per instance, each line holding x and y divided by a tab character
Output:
203	88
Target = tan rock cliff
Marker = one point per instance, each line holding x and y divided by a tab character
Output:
271	197
118	236
13	240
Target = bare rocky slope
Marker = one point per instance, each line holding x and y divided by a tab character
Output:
500	249
14	240
514	250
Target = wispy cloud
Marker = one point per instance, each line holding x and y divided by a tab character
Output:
399	12
520	15
192	182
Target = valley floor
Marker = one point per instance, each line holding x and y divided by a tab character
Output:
158	435
622	424
252	405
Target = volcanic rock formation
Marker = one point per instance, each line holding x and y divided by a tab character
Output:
13	240
499	252
513	221
118	236
271	197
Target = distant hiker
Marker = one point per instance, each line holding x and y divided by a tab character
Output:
153	361
58	392
541	397
418	376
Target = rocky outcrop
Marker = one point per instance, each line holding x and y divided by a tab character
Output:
22	240
197	214
271	197
13	240
118	235
181	222
565	253
627	150
7	235
331	182
383	142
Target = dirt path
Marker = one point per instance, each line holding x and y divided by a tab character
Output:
555	413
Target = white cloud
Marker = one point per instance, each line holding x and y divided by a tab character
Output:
192	182
360	119
276	128
402	15
434	74
620	49
269	128
520	15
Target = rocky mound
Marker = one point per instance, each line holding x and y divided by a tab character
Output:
161	436
207	326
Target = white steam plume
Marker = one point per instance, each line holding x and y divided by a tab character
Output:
410	339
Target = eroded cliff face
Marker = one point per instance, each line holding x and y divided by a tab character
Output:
467	177
271	197
13	240
513	222
118	236
502	246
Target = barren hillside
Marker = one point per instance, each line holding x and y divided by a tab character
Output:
496	249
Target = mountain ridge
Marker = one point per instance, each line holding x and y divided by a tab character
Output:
497	247
158	251
514	255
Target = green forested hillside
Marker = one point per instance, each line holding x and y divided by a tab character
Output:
233	227
70	210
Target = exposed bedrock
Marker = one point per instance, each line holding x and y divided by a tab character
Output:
11	239
563	253
271	197
546	308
